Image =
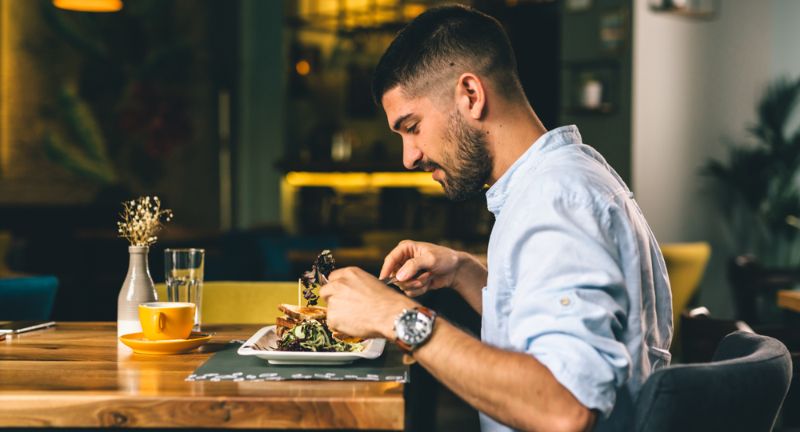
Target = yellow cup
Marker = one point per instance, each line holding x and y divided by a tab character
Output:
166	320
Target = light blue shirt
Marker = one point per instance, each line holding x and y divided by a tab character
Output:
576	277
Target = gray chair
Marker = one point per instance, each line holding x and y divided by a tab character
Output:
741	389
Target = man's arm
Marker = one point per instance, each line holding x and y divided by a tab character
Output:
470	279
514	388
511	387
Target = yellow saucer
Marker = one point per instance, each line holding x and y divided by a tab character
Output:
142	345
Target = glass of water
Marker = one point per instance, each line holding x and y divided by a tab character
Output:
184	276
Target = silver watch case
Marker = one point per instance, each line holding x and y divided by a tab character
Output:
413	327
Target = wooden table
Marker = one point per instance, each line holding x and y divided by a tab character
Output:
76	375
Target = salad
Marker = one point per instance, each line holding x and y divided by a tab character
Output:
314	335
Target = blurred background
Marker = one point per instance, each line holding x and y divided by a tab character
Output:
253	121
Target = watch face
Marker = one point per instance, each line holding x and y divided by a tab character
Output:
413	327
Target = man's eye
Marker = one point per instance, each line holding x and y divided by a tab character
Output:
412	129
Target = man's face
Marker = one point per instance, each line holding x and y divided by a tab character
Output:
440	142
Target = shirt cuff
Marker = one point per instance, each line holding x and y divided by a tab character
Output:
595	389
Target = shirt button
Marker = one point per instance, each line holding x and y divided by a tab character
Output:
564	301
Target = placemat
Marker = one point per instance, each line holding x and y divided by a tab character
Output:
226	365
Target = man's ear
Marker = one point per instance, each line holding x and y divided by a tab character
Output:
471	96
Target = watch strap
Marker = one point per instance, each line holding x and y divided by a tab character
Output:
425	311
403	346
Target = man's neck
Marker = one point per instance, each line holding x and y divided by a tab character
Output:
510	137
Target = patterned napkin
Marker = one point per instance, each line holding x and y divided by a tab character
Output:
226	365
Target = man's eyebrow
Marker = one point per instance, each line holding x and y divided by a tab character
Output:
400	120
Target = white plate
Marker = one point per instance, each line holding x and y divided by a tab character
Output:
266	339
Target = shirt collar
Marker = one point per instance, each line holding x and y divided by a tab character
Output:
559	137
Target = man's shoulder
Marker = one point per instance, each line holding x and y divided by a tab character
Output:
570	176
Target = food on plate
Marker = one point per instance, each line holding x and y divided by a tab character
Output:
304	328
295	315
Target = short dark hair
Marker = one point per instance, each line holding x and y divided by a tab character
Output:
451	40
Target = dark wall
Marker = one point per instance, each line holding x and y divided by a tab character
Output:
534	31
597	43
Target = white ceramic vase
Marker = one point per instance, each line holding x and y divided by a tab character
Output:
138	288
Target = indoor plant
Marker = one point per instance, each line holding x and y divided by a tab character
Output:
759	193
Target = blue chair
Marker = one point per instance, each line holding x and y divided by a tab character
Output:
741	389
27	298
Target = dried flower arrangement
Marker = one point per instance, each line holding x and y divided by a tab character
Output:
142	220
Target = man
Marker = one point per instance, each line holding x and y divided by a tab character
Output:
575	303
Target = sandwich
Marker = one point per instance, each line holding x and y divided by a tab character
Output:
304	328
294	315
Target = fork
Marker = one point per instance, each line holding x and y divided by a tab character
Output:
392	280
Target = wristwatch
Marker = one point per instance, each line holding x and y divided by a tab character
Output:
413	327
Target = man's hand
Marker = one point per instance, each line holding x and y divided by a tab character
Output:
516	389
360	305
420	267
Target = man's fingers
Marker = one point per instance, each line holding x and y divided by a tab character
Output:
424	278
410	284
344	273
327	290
414	292
412	268
403	251
390	264
336	274
416	287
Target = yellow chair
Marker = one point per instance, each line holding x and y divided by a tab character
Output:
242	302
686	263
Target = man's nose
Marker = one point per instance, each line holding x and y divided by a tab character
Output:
411	155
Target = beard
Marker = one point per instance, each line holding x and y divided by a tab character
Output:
470	167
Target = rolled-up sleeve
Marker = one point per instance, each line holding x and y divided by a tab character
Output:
569	304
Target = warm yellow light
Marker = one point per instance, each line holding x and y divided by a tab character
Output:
300	179
89	5
410	11
303	67
329	8
364	180
409	179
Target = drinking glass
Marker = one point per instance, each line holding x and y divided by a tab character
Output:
184	276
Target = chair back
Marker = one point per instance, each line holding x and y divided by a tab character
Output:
27	298
701	334
242	302
742	389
